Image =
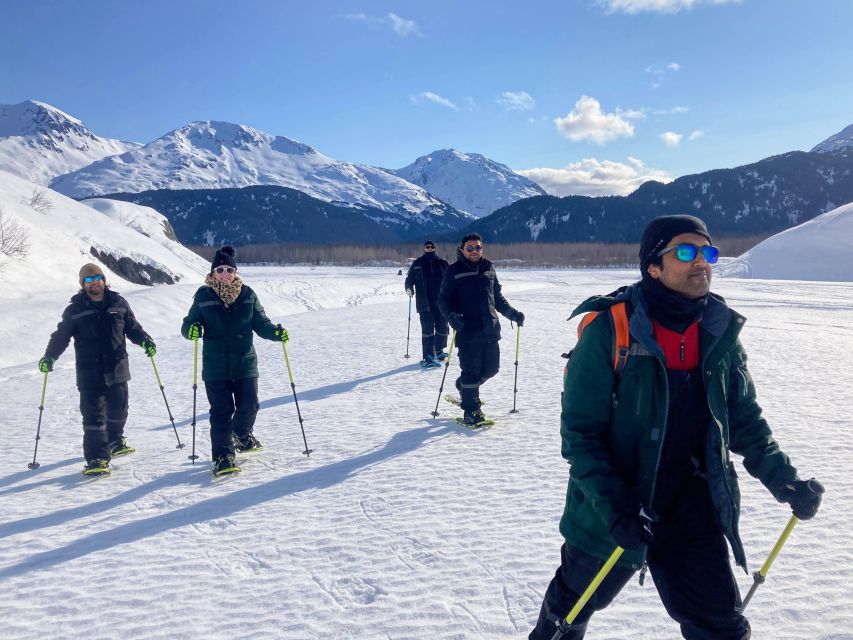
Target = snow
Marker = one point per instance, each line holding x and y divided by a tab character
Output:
469	181
39	142
217	155
839	142
398	525
820	249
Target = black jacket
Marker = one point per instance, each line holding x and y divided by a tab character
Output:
425	275
99	332
473	291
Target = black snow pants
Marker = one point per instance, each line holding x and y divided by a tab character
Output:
479	360
233	408
689	563
433	331
104	411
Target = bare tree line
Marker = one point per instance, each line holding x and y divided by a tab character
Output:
14	240
526	255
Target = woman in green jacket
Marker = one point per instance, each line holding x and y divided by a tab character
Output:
225	313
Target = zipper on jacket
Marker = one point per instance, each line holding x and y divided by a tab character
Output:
681	348
643	570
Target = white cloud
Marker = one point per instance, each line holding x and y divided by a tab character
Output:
516	101
401	26
698	133
588	122
673	66
592	177
671	139
429	96
632	7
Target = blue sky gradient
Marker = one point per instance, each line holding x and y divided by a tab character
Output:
385	82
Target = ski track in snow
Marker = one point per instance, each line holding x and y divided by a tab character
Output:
398	525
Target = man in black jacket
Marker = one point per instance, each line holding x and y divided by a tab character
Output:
470	298
99	319
424	282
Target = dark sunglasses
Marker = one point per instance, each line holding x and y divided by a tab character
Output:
687	252
91	279
470	248
429	247
225	269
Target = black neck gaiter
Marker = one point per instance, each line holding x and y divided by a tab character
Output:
671	309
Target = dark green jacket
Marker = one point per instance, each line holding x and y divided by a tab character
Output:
613	430
228	352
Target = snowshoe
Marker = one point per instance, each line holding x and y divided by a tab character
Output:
456	401
475	420
225	465
247	444
120	448
441	356
97	467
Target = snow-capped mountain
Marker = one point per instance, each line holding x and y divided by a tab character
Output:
216	155
841	141
39	142
469	181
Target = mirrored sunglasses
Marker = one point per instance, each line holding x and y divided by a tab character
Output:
225	269
470	248
687	252
91	279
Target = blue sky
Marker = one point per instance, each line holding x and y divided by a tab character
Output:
596	95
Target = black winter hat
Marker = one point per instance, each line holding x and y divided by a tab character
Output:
429	243
224	256
661	230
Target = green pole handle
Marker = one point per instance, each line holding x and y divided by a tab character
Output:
287	362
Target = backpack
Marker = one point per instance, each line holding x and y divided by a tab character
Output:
621	336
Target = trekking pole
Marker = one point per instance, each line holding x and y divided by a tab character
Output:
34	464
307	451
193	455
515	383
566	623
761	574
436	413
408	327
168	410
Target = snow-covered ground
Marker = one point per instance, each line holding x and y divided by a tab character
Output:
398	525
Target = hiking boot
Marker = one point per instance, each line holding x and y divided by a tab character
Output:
473	417
224	464
120	447
430	362
441	356
247	443
96	467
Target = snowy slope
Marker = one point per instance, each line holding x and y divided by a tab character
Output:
469	181
399	525
145	220
39	142
214	155
61	240
841	141
820	249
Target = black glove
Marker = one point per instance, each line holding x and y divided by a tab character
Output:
631	531
455	321
517	317
803	496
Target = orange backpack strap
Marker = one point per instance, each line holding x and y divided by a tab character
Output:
621	334
621	337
